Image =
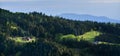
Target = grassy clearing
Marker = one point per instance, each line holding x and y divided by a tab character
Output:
22	40
69	36
88	36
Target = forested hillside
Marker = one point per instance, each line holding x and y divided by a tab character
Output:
36	34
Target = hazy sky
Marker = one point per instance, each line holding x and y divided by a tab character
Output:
109	8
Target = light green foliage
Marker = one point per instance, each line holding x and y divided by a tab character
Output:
13	27
89	36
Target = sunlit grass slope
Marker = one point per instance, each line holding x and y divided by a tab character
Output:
88	36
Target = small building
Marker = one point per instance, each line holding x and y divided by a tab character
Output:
26	38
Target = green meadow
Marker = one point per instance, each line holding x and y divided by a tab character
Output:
88	36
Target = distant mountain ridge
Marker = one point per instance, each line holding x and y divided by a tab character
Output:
84	17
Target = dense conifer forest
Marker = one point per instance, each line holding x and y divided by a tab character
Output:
37	34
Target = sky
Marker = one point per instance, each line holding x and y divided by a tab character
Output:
109	8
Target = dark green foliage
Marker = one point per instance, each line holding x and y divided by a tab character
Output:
105	50
47	29
108	38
